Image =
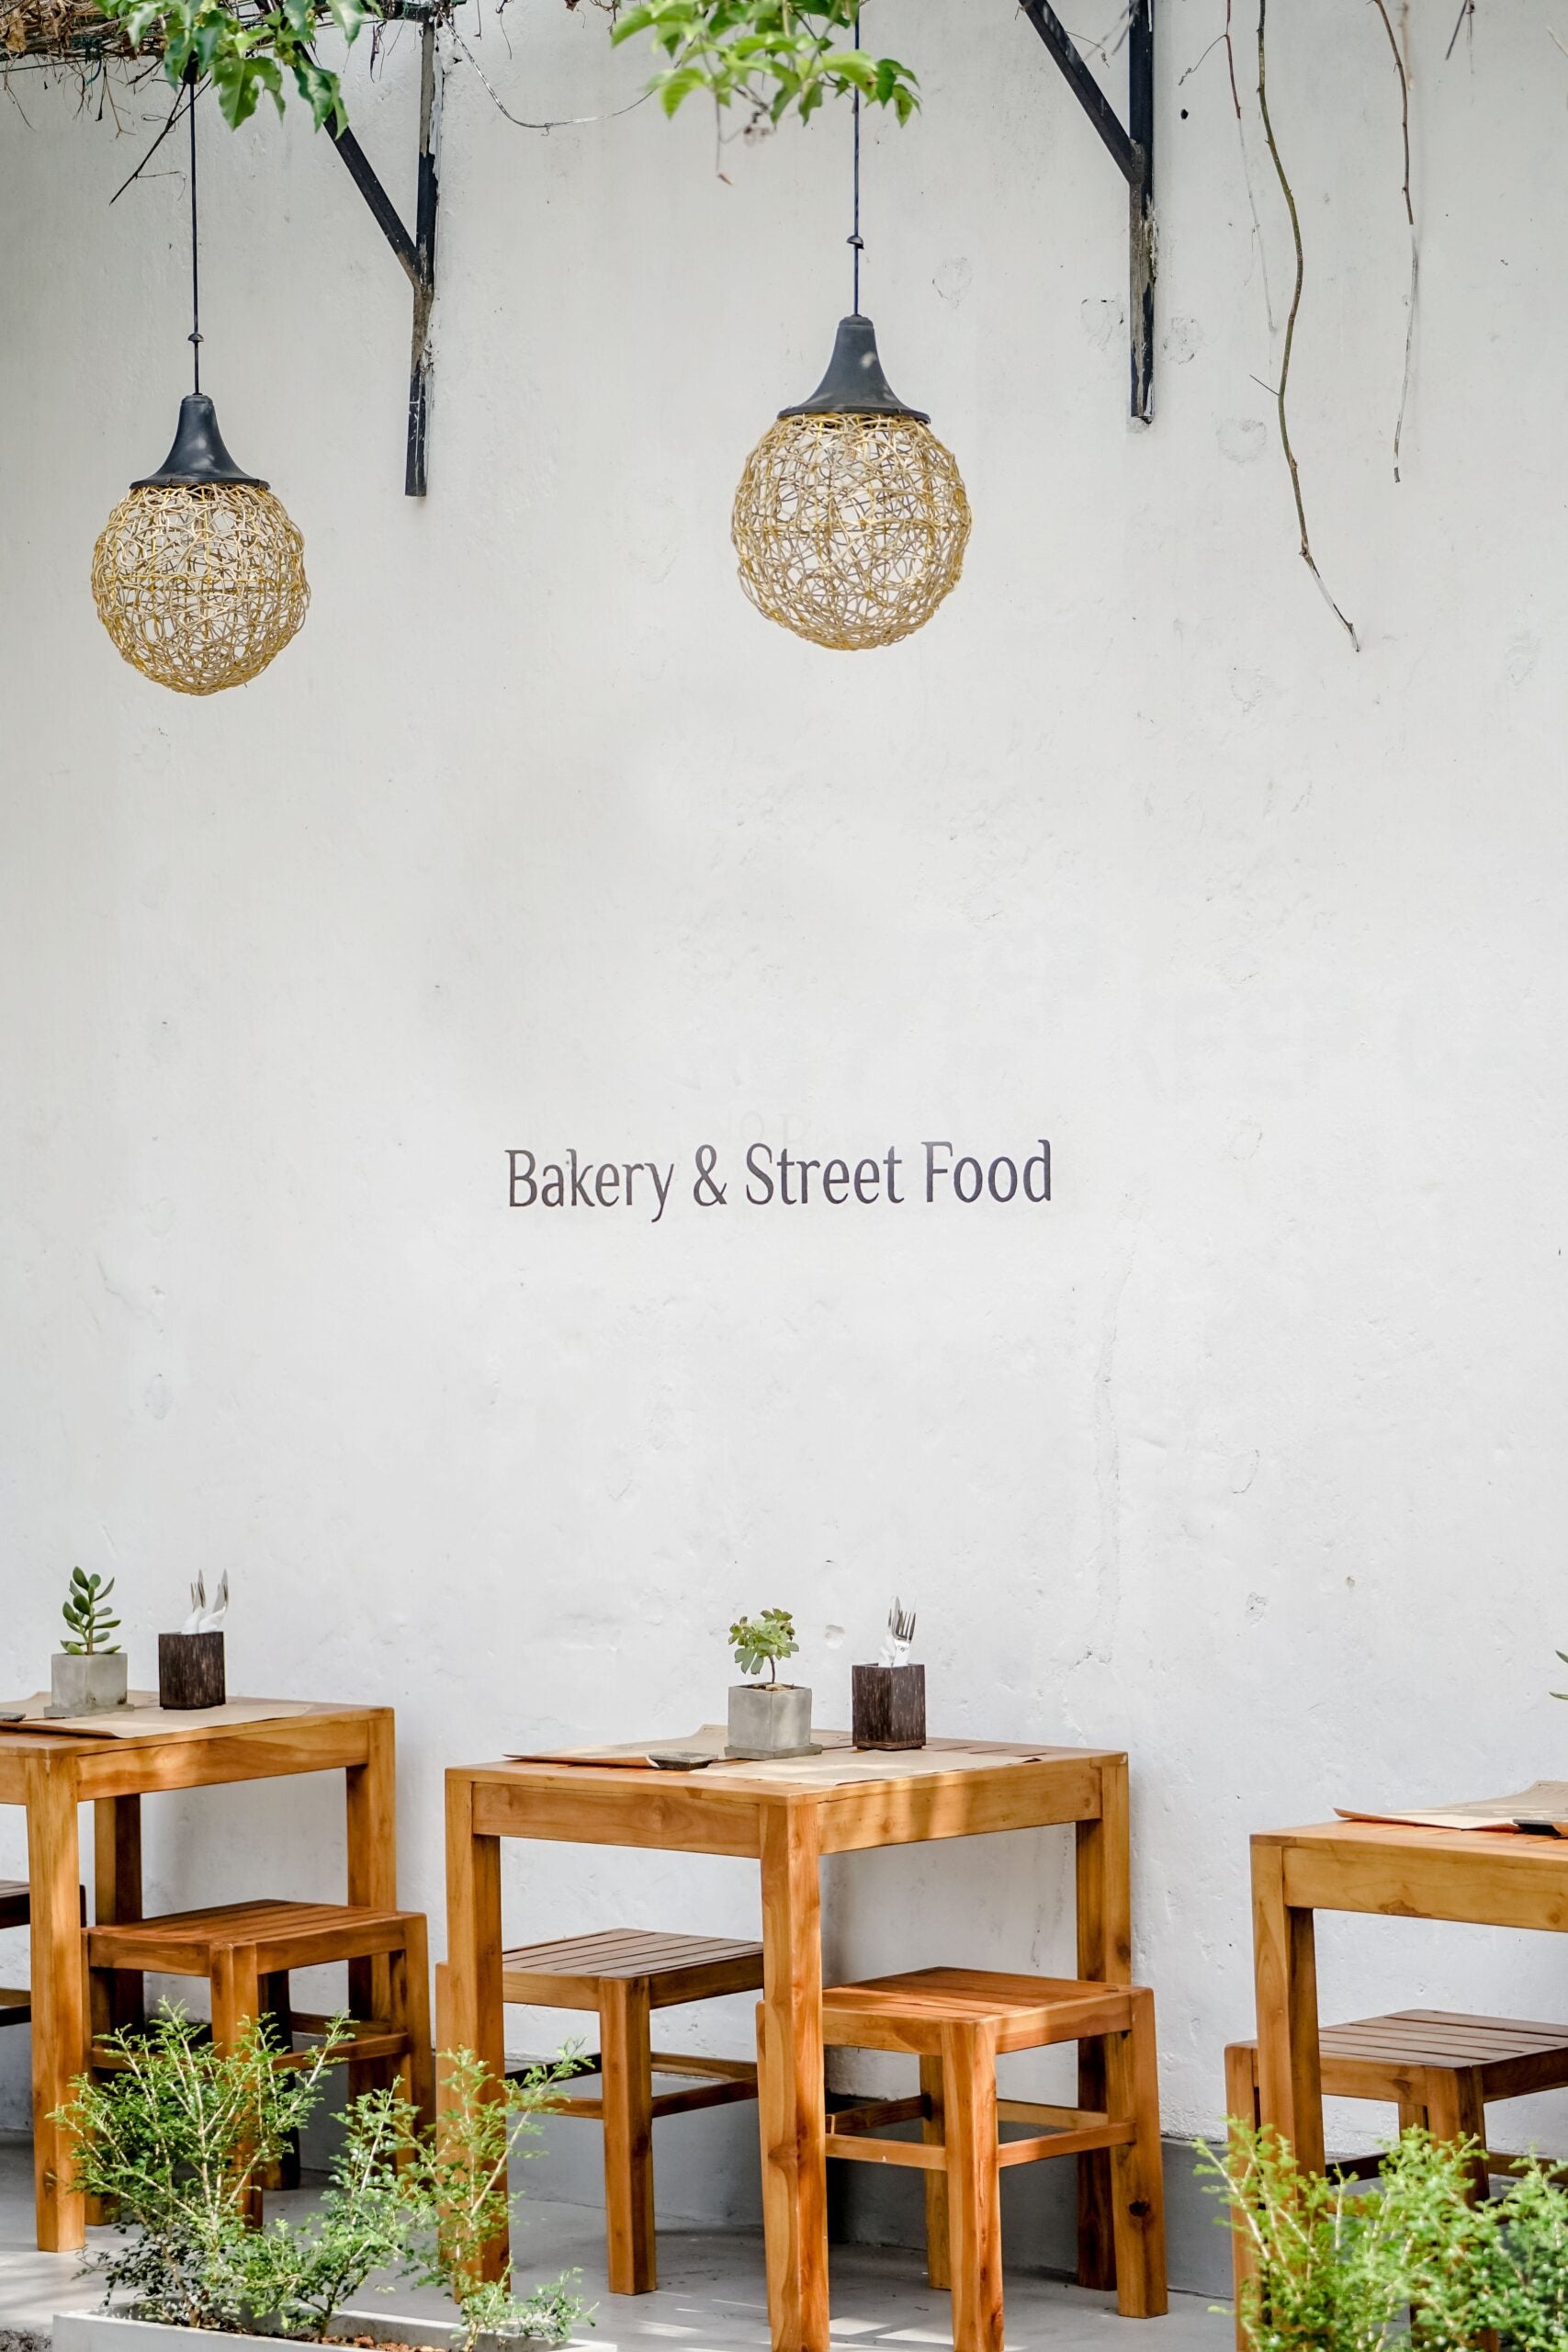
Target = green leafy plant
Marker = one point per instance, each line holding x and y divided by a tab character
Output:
247	63
171	2139
86	1613
459	2185
1528	2304
1336	2263
766	1639
546	2315
175	2135
776	57
298	2275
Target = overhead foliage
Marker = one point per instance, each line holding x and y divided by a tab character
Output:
775	57
246	62
770	58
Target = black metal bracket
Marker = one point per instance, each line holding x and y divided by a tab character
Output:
416	254
1133	151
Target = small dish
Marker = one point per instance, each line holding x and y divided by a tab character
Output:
680	1760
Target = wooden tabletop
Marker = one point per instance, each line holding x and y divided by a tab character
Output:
1504	1878
705	1812
320	1737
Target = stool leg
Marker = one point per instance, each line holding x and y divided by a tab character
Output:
277	2004
1456	2110
411	2016
974	2182
1242	2102
933	2131
236	2000
627	2082
1137	2173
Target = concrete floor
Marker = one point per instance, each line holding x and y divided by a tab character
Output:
711	2299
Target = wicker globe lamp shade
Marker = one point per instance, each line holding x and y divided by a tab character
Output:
199	575
851	518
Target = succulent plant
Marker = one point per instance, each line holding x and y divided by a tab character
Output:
86	1613
763	1640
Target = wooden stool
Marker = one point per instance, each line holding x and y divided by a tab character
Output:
625	1974
16	2001
246	1952
1441	2071
957	2021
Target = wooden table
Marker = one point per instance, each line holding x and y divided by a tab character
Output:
52	1774
786	1827
1488	1878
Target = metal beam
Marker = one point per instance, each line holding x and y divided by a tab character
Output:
1133	151
416	254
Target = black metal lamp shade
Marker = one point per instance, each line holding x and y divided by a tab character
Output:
855	384
199	460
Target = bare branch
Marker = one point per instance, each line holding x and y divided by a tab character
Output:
1289	194
1410	217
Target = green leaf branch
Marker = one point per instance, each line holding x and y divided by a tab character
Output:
247	63
776	57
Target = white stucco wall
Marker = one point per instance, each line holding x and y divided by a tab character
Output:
1247	1451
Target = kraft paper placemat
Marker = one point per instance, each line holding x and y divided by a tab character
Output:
141	1714
840	1763
1543	1806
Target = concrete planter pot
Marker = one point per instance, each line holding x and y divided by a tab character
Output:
88	1684
108	2332
770	1719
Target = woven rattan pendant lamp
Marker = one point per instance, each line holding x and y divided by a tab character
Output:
850	519
199	575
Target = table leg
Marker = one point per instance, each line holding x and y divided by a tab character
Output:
792	2110
59	1990
1290	2084
469	2008
117	1897
372	1797
1105	1957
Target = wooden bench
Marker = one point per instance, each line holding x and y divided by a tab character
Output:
1440	2069
247	1953
957	2022
624	1974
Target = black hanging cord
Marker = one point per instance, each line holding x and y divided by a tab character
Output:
857	243
195	236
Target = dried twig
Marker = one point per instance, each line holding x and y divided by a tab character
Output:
1289	194
1246	174
1410	216
568	122
141	166
1467	9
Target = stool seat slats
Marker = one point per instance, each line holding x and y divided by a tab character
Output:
246	1952
570	1972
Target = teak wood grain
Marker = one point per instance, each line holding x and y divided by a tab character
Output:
958	2022
54	1775
1496	1879
785	1828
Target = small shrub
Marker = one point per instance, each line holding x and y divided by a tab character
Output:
174	2138
1339	2262
170	2140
